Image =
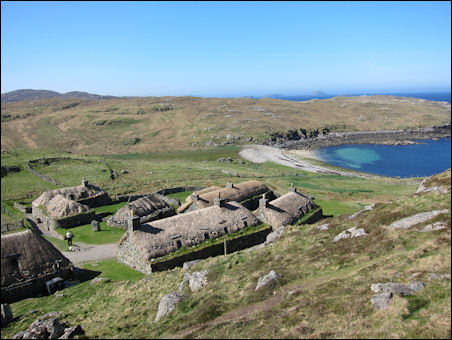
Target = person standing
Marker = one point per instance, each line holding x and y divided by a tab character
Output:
69	238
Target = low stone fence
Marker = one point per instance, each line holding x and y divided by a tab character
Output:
28	166
233	245
5	227
73	221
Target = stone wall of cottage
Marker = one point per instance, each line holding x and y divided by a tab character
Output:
129	254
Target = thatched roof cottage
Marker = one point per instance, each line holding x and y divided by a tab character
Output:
67	207
27	261
188	200
285	210
60	206
246	193
148	208
142	243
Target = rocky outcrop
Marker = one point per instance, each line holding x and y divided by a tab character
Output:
49	327
410	221
274	235
385	292
315	139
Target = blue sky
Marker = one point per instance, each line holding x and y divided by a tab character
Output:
225	48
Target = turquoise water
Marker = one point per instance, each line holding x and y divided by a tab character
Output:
418	160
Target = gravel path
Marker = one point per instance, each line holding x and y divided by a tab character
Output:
87	252
91	252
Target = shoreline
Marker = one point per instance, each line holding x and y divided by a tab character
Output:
385	137
302	154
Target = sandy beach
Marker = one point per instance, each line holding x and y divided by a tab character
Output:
298	159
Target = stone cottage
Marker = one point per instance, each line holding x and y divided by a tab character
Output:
143	243
67	207
28	261
246	193
285	210
196	194
147	208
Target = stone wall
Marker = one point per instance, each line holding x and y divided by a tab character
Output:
129	254
97	201
233	245
73	221
66	222
33	287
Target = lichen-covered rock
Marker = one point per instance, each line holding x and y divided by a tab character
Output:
184	281
434	276
396	288
434	227
324	226
416	285
168	303
274	235
189	264
410	221
70	332
267	280
42	329
198	280
381	300
350	232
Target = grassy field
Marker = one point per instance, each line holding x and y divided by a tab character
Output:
323	289
85	234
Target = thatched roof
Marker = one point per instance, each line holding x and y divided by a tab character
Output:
35	257
239	192
60	206
141	207
155	239
188	200
287	209
72	193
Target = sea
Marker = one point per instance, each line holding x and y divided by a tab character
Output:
418	160
438	96
427	158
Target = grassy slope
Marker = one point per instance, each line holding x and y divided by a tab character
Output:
74	125
324	290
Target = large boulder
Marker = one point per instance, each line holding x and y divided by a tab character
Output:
410	221
274	235
268	280
381	300
198	280
168	303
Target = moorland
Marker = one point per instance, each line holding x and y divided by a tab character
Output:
324	287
